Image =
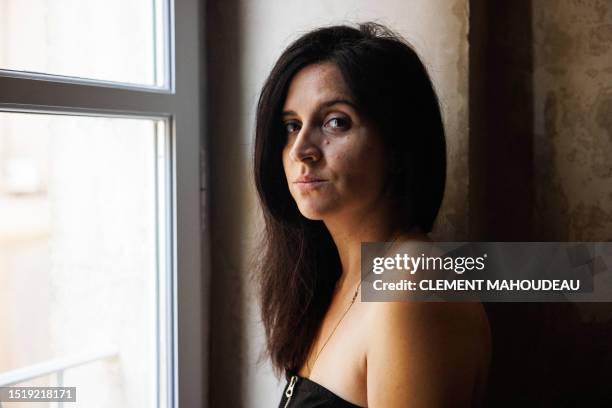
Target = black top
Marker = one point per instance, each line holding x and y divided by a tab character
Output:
308	394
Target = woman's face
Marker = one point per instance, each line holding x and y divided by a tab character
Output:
334	159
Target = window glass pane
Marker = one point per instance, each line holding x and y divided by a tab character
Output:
112	40
83	256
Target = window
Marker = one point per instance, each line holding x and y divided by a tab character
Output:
100	240
111	40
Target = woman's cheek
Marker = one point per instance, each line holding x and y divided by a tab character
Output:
354	173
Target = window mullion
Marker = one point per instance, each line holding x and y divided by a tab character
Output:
69	96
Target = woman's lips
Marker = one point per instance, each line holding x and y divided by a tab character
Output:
305	186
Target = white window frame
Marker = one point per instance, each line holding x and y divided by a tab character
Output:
181	104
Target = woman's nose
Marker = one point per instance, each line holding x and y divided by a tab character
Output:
305	146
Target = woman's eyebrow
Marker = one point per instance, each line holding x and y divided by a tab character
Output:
325	104
288	113
337	101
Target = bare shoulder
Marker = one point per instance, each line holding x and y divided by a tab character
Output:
468	316
449	323
428	353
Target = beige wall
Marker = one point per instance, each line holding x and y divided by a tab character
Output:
540	167
573	134
244	40
573	120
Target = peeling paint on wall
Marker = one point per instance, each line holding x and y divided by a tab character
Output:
573	120
452	221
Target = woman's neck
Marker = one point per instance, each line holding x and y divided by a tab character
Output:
350	230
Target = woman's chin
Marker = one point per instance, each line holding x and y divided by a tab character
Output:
314	213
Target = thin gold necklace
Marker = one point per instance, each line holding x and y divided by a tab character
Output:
339	320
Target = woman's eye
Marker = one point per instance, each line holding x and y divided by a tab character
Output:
338	123
291	127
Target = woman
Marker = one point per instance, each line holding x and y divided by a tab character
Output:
350	148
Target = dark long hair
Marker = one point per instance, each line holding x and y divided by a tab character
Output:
298	264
